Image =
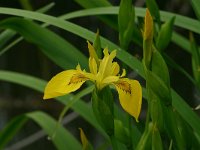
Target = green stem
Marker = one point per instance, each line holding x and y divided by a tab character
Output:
114	143
130	146
148	108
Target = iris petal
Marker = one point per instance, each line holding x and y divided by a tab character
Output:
92	65
115	69
130	96
64	82
110	79
105	66
92	52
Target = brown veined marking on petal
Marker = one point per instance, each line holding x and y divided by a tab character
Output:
124	86
76	78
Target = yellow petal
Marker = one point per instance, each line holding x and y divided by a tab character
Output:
115	69
78	67
130	96
123	73
92	65
64	82
92	52
110	79
84	140
105	66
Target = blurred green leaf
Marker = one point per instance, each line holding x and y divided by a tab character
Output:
8	34
181	41
93	3
68	56
103	108
195	59
121	133
153	8
181	21
159	88
196	7
99	3
11	129
156	140
5	36
62	140
165	34
145	140
126	22
97	45
158	63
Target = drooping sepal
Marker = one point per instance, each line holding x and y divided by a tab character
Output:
130	96
65	82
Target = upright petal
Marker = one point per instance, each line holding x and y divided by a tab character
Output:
93	65
105	66
114	69
130	96
92	52
65	82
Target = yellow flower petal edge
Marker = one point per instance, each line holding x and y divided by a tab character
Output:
130	96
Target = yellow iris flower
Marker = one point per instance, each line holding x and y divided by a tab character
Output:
103	72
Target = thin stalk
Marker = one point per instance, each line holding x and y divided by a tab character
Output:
130	147
114	143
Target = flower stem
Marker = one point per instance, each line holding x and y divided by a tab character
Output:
114	143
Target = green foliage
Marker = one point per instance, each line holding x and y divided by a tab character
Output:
68	54
153	8
103	108
46	122
126	21
165	34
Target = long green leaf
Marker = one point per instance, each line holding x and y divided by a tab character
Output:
6	35
196	7
63	139
181	21
191	24
68	56
91	4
